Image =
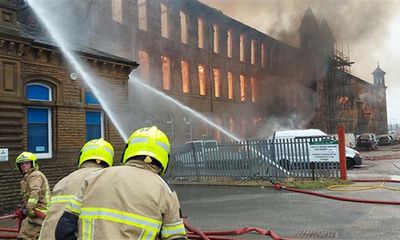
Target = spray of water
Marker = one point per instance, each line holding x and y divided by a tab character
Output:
78	65
203	118
184	107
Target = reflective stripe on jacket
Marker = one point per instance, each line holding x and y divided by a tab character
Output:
63	195
128	202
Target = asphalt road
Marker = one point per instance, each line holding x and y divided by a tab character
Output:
302	216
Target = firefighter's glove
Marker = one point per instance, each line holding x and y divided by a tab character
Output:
31	214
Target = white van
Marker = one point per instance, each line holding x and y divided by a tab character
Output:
353	157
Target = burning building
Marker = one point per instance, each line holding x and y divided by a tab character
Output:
242	79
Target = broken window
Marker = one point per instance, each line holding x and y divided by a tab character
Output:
200	32
216	39
202	80
117	10
164	21
185	76
231	125
184	27
242	84
242	50
188	128
263	49
253	51
229	41
253	89
142	14
230	85
169	130
144	69
204	129
217	82
166	72
243	129
218	135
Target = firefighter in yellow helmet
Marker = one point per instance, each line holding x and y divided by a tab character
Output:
36	195
130	201
94	155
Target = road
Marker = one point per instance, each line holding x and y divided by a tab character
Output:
302	216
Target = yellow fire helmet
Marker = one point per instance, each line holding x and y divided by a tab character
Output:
26	157
97	149
149	141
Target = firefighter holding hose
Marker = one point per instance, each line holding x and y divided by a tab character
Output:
36	195
95	155
130	201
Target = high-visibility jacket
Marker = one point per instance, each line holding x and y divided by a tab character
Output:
62	194
35	192
128	202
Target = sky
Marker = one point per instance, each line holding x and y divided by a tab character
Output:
368	30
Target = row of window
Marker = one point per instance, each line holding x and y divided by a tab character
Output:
39	120
265	53
242	126
217	84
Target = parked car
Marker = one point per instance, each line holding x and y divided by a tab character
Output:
386	139
367	141
353	157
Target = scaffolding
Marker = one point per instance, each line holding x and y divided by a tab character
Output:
341	98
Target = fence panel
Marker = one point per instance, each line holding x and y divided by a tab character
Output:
251	159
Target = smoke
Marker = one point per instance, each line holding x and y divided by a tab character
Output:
366	30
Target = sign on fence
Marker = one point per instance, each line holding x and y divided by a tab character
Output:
3	154
324	151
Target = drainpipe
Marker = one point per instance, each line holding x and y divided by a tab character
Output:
210	50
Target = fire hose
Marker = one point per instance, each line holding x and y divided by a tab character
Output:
194	233
279	186
12	233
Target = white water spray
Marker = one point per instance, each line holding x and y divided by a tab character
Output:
79	66
205	119
186	108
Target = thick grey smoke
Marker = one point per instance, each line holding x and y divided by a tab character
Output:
367	30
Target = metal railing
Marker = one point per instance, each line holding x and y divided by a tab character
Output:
251	159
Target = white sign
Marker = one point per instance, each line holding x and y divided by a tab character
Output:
324	151
3	154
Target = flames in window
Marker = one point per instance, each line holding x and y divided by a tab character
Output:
185	76
166	73
217	83
202	80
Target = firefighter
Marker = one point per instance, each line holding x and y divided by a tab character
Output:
130	201
94	155
35	195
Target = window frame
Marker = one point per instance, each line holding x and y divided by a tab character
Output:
32	105
102	127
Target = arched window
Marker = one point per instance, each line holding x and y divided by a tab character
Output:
39	120
94	117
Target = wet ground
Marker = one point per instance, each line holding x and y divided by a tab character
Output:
301	216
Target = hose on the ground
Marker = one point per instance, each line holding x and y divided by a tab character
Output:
279	186
195	233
